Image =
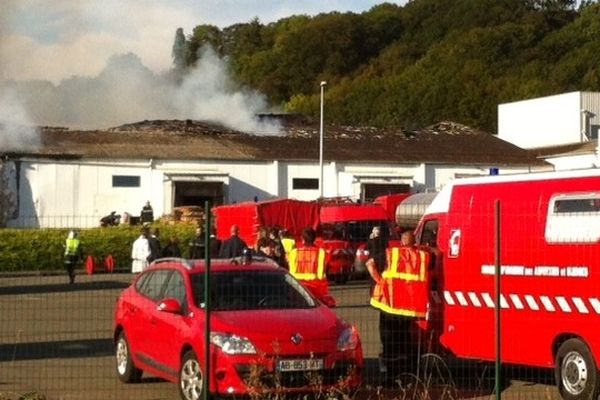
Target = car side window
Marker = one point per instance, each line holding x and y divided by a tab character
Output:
176	288
154	284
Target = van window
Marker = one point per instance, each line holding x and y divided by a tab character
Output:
429	235
573	218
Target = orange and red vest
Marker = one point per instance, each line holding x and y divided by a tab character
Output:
307	265
404	289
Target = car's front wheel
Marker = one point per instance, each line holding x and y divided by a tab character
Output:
126	369
575	370
191	379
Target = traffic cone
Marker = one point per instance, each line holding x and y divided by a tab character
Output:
90	266
109	263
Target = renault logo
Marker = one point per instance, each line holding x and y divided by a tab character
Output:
296	339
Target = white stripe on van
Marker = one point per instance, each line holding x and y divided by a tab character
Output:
448	298
488	300
580	305
516	301
596	304
519	302
503	302
564	305
547	303
461	298
474	299
531	302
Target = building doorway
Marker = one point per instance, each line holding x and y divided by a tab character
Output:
197	193
369	191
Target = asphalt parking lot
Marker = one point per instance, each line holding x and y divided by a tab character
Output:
55	339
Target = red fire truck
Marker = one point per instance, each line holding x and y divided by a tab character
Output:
550	267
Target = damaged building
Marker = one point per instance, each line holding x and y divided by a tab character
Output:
75	177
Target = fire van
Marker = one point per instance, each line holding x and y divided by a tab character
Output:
550	272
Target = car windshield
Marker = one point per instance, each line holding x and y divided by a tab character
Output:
251	290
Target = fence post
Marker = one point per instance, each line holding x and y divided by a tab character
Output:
207	373
498	274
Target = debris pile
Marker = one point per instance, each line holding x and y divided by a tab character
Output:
185	215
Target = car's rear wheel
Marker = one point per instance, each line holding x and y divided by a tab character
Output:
126	369
575	370
191	380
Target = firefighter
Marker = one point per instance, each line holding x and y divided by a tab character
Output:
72	254
401	295
307	264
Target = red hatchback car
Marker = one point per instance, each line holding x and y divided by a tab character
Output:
268	334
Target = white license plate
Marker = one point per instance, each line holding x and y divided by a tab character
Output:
310	364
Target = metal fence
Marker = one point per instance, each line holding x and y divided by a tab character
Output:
497	270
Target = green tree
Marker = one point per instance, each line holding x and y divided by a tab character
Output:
180	51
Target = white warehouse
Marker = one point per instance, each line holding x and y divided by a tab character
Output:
76	177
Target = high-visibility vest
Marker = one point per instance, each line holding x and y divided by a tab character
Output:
288	244
71	247
307	263
404	289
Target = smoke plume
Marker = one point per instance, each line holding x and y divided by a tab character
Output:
16	129
125	91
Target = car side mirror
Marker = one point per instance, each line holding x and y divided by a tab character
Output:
329	301
169	305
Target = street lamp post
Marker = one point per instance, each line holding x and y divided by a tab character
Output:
323	83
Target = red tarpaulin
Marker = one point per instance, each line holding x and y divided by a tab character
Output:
293	215
352	212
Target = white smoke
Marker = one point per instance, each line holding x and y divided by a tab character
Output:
126	91
207	93
16	129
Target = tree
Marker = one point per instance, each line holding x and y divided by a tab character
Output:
180	51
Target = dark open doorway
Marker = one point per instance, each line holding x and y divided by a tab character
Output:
369	191
196	193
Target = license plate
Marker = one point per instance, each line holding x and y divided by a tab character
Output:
310	364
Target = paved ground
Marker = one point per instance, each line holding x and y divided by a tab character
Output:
55	339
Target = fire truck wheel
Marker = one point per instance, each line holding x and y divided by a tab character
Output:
575	371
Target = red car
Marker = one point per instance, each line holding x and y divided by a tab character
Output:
268	334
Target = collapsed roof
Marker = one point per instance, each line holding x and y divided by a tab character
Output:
442	143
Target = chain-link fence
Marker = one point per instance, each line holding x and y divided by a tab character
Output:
306	312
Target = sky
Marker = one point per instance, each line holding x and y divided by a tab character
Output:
58	39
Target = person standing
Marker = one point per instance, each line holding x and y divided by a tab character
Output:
147	214
307	264
73	254
172	249
401	295
197	246
140	251
234	246
154	243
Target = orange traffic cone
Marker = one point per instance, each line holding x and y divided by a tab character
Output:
90	266
109	263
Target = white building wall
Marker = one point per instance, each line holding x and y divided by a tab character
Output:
583	161
78	193
541	122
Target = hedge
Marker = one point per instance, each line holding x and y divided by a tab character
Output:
42	249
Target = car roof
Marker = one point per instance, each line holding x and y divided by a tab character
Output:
216	265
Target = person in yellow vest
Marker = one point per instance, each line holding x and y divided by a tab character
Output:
73	254
307	264
401	294
288	243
